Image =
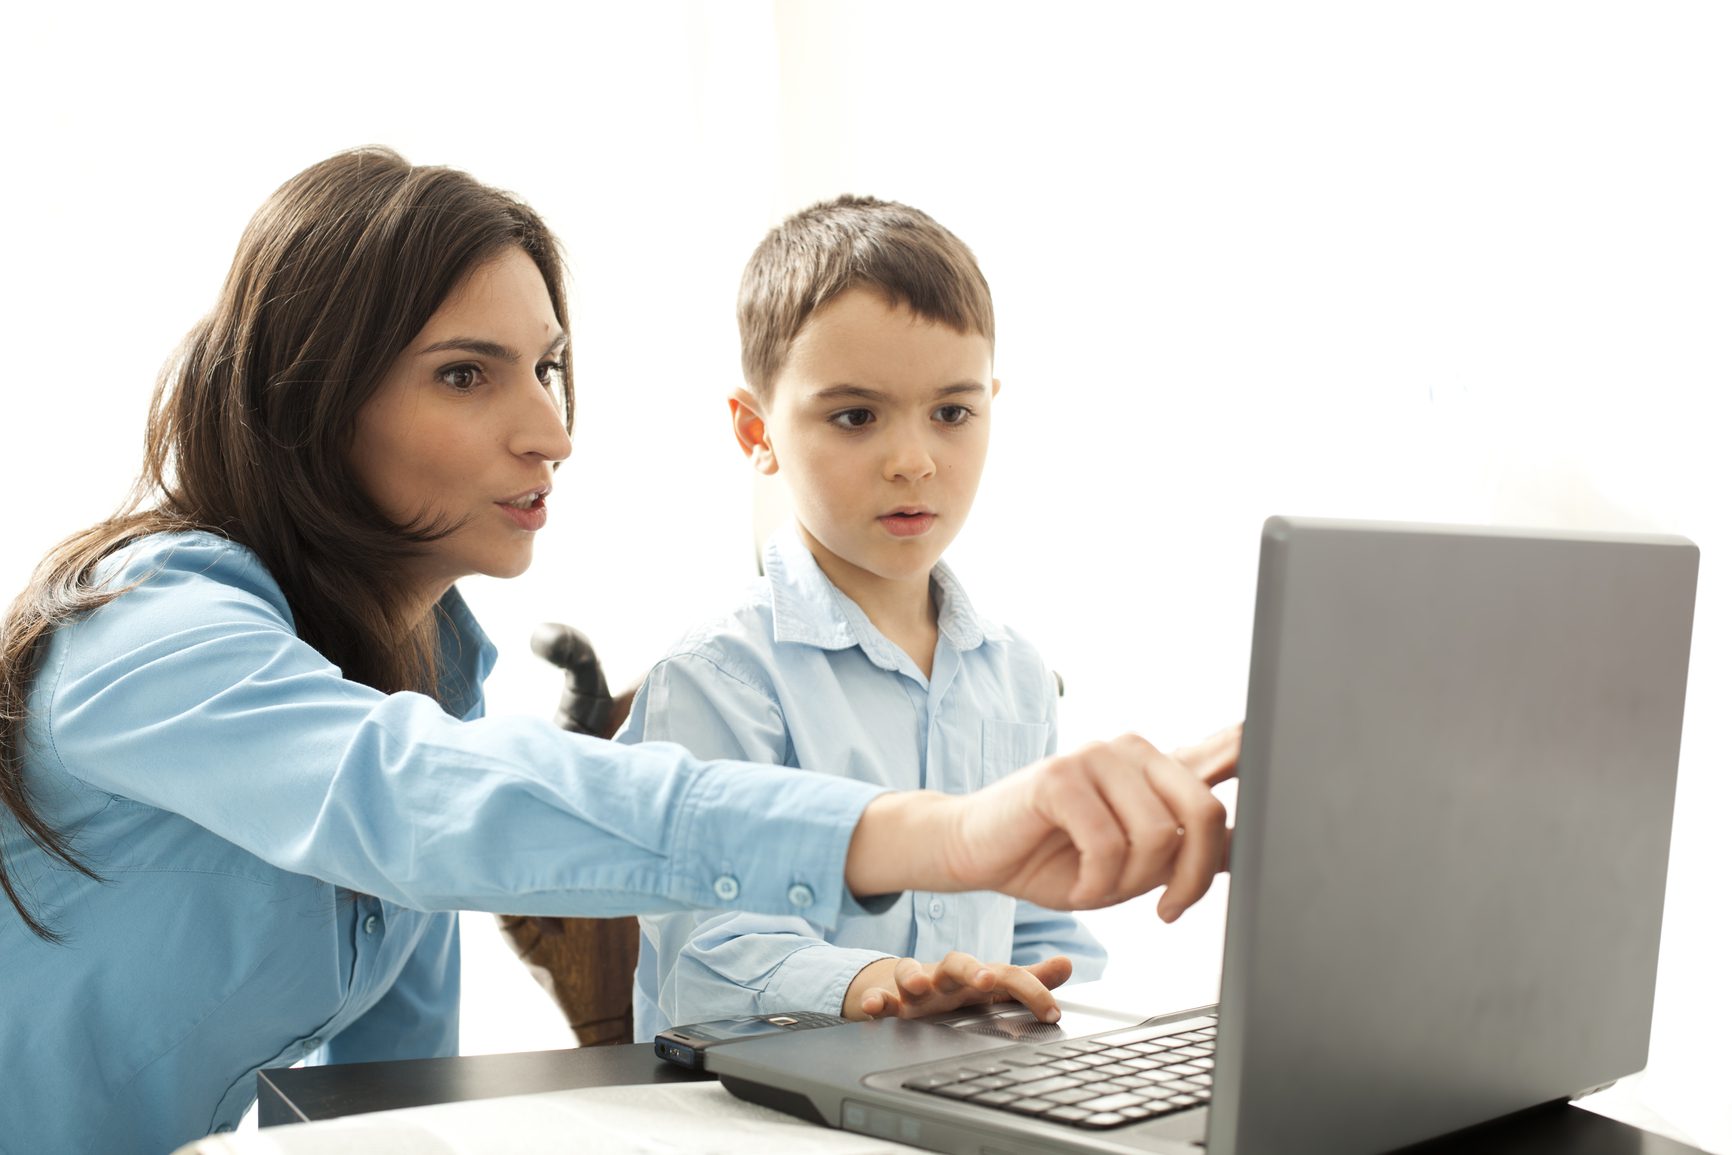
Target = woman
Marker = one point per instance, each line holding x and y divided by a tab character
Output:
245	772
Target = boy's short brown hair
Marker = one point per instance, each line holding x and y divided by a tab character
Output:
816	255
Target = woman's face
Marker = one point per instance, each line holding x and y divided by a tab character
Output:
466	428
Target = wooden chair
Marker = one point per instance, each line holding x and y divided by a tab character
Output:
585	964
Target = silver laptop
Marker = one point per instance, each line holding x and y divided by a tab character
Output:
1454	810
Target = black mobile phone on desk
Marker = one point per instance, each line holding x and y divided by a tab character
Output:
685	1046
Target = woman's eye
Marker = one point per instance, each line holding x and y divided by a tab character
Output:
953	414
852	418
463	378
550	373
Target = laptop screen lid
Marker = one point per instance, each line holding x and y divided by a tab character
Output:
1455	806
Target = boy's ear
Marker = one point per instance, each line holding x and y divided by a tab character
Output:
995	386
750	432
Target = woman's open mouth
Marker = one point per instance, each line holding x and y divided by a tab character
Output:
527	510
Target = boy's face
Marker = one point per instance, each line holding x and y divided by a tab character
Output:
878	423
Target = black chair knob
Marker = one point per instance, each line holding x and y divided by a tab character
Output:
586	706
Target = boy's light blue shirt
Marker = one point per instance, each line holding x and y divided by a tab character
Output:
800	676
277	843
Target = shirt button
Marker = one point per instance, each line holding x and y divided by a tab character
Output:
800	896
935	908
727	888
371	926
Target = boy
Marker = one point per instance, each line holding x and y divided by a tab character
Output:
867	341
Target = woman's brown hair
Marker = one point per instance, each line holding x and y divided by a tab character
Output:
251	421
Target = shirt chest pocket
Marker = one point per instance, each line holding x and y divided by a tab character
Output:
1009	746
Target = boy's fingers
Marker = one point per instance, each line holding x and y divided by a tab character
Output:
1052	972
889	1006
912	979
1029	990
959	970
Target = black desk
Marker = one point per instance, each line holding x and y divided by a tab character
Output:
299	1096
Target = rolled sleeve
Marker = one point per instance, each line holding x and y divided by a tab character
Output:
749	965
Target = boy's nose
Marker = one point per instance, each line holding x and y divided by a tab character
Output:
910	460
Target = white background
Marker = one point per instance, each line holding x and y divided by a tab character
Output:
1466	262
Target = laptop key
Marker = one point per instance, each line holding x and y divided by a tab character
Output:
1103	1119
1030	1106
1112	1071
1031	1074
1066	1115
983	1069
1022	1060
1057	1083
991	1082
956	1090
1128	1082
929	1082
1068	1065
995	1098
1111	1102
1069	1095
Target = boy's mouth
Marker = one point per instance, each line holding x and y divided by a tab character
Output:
910	522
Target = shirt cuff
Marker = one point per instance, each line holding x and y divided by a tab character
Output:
816	978
772	840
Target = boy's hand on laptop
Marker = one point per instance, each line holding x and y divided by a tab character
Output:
907	988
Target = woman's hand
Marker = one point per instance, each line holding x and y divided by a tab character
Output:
1080	830
907	988
1216	758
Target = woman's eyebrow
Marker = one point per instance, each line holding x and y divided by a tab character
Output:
482	347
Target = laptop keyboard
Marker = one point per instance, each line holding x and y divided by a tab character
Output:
1104	1081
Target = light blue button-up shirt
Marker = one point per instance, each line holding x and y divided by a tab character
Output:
276	843
800	676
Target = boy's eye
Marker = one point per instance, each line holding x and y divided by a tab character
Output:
851	418
953	414
463	378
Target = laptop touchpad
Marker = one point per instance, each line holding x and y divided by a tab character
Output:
1017	1023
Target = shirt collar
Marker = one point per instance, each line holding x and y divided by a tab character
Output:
806	607
466	654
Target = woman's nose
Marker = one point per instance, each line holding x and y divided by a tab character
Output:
537	424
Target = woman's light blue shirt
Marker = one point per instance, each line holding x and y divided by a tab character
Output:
798	675
277	845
